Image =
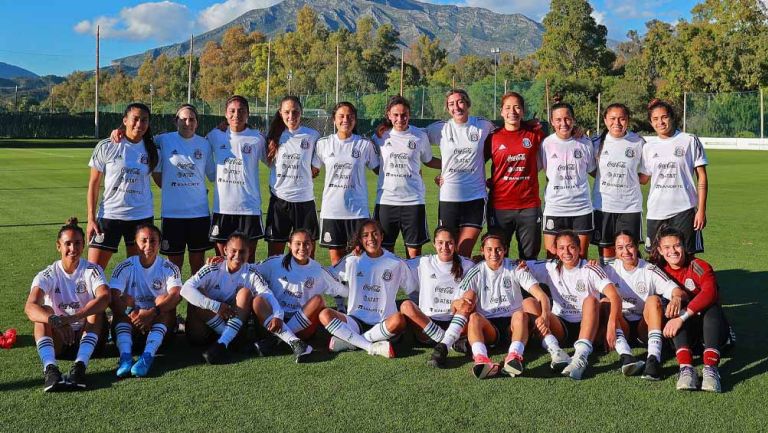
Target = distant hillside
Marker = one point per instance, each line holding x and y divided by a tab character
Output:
12	71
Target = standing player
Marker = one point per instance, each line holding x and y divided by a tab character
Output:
66	306
462	191
400	201
290	148
145	292
671	159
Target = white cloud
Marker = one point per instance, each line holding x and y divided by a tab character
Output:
599	17
222	13
162	21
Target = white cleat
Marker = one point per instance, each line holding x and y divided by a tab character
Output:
382	348
339	345
576	368
560	360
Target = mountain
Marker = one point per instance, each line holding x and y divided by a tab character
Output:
462	30
12	71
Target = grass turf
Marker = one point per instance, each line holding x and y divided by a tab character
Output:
40	187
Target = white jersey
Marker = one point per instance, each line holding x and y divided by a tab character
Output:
125	166
461	149
402	154
237	156
290	175
145	284
214	284
498	292
617	185
637	285
68	293
184	164
293	288
671	163
567	164
373	284
569	288
438	288
345	194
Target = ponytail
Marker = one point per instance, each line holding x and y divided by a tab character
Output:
457	270
149	141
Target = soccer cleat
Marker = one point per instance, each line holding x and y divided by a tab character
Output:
124	365
484	367
560	360
301	350
575	369
338	345
687	379
462	346
52	379
710	379
652	369
76	376
382	348
141	367
266	346
215	354
631	366
513	364
439	354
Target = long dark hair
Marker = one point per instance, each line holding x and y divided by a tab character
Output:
605	131
351	107
149	141
658	103
663	232
456	269
71	224
288	256
151	227
277	127
356	243
632	239
566	234
386	124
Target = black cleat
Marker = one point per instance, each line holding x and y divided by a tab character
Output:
266	347
462	346
76	376
301	350
439	354
630	365
53	381
215	354
652	369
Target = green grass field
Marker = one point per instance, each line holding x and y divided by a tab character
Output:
41	186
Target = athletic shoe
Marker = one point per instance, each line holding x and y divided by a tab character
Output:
652	369
382	348
513	364
687	379
266	346
462	346
710	379
575	369
124	365
52	379
141	367
631	366
215	354
560	360
76	377
301	350
439	354
484	367
339	345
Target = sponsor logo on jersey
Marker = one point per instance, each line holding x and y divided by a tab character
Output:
630	153
679	151
247	148
304	143
327	237
80	287
144	159
411	144
502	147
309	283
580	286
355	153
641	288
198	154
527	143
578	154
689	284
507	282
387	275
157	284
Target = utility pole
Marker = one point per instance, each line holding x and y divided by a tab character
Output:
495	52
96	90
189	74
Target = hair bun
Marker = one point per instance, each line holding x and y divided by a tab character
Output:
653	102
71	221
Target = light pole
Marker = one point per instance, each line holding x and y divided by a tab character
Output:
495	52
290	77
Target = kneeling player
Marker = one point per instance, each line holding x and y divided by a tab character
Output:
66	305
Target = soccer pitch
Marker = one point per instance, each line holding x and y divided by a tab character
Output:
41	186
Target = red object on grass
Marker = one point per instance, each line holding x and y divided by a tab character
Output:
8	339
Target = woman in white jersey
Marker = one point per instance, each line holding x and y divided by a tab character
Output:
463	194
66	306
237	196
126	166
290	148
400	199
675	198
373	279
345	156
145	292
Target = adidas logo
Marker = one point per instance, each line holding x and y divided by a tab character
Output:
554	156
502	147
433	276
57	290
332	155
655	155
359	273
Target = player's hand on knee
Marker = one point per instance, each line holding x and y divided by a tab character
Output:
673	327
226	311
610	338
66	334
275	325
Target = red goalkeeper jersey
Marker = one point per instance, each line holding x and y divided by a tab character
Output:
514	182
698	278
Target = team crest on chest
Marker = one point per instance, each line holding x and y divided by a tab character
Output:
474	136
198	154
679	151
157	284
80	287
578	154
247	148
144	159
641	288
580	286
387	275
309	283
527	143
630	153
689	284
355	153
411	144
304	143
506	282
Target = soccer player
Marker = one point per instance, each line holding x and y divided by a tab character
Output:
514	151
400	201
373	279
145	292
290	148
126	166
671	159
616	193
237	197
66	306
345	156
567	161
703	318
462	185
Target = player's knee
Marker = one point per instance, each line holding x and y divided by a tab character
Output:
592	303
396	323
326	316
519	318
316	303
408	308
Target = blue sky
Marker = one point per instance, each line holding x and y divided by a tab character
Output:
56	36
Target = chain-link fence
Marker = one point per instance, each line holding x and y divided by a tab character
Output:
735	114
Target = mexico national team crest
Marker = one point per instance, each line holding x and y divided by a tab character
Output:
304	143
580	286
411	144
309	283
144	159
80	287
247	148
507	282
474	136
679	151
387	275
157	284
578	154
198	154
355	153
630	153
527	143
641	288
689	284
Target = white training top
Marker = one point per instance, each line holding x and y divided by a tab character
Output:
372	284
567	164
402	154
213	284
237	156
438	288
498	292
290	175
461	150
293	288
345	194
184	164
671	163
67	293
145	284
637	285
125	166
569	288
617	186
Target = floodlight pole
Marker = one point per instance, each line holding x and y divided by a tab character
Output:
337	74
495	52
402	69
96	90
685	109
762	115
597	122
189	74
269	55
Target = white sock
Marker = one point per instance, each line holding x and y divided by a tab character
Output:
622	347
378	333
550	344
341	330
230	331
458	322
434	332
217	324
478	348
155	338
583	347
299	322
87	346
124	337
46	351
654	343
518	347
285	332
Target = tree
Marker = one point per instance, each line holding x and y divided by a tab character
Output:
427	55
